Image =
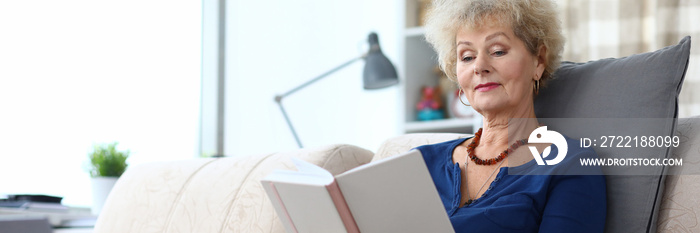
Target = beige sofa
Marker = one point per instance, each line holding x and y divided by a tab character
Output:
225	195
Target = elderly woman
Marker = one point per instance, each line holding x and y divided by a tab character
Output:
500	52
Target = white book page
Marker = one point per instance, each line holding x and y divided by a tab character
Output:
396	194
302	199
307	173
310	208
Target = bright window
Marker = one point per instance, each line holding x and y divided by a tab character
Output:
78	72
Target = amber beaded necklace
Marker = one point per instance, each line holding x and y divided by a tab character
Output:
499	159
491	161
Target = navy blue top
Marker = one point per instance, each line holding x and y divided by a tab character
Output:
522	203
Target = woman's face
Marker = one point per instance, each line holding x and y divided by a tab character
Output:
495	69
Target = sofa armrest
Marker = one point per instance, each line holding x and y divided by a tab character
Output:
680	207
403	143
210	195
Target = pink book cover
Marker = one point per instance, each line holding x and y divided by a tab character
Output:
342	207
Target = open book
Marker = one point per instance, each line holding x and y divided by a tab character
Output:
392	195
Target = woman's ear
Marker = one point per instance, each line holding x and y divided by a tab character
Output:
540	61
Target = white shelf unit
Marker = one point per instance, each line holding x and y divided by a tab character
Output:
449	125
417	67
414	32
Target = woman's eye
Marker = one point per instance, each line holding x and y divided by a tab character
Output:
467	58
499	53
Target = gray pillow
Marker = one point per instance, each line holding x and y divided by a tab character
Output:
639	86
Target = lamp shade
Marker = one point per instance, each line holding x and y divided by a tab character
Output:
379	72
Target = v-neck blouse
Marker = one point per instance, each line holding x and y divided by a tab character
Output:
535	200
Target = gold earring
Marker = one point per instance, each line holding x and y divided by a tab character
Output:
460	98
536	87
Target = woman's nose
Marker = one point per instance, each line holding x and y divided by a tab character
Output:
481	66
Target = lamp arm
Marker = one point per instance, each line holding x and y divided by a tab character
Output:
289	123
279	98
307	83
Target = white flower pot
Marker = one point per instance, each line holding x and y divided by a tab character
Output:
101	186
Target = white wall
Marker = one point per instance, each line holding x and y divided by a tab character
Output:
275	45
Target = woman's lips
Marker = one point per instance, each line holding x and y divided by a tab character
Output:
486	87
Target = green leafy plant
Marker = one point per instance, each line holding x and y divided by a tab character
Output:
106	161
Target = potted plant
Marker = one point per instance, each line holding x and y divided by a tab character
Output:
107	164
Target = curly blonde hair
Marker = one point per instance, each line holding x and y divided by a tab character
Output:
534	22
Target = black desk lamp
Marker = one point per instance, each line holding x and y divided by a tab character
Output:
378	73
